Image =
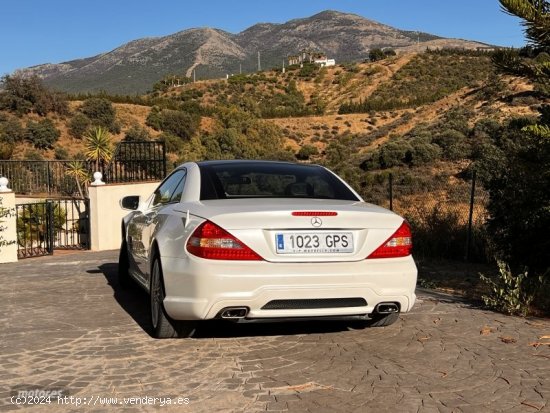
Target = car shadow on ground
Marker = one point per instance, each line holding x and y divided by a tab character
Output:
135	302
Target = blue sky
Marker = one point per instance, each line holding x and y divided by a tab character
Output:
35	31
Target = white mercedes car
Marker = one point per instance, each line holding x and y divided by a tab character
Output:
264	241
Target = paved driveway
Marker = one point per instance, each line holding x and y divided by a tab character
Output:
65	325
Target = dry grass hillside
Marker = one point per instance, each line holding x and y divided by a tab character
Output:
307	104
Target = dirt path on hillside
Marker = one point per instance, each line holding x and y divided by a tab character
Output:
361	88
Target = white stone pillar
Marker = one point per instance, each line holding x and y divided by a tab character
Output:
8	223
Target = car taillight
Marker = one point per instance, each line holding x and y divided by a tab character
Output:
398	245
214	243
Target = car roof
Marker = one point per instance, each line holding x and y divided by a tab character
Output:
249	161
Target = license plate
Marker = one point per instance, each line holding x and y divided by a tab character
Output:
314	242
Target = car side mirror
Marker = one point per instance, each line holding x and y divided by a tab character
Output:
130	202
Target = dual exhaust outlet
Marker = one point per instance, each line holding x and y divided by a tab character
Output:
386	308
234	313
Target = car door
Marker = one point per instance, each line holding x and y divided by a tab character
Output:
144	223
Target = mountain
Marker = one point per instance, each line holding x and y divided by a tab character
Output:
135	66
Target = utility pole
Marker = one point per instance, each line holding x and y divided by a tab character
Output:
283	65
259	64
240	69
193	75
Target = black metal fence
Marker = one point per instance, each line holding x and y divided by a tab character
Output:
137	161
41	177
45	226
132	162
447	214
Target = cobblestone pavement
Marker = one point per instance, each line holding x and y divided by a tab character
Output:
64	324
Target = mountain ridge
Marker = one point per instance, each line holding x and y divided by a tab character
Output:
133	67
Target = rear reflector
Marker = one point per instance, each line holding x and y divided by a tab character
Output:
398	245
214	243
314	214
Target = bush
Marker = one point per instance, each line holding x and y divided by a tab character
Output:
42	134
11	131
519	198
28	94
101	112
453	144
33	155
61	153
376	54
175	122
79	125
509	293
173	143
137	133
306	152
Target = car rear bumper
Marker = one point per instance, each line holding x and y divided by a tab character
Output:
199	289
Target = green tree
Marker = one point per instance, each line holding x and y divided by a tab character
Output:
519	204
79	125
137	133
99	147
32	222
176	122
77	170
42	134
101	112
376	54
306	152
23	94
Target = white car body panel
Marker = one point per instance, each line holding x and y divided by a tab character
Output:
198	288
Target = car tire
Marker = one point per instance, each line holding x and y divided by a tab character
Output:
383	320
163	325
124	279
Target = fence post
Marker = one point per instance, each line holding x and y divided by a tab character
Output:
391	191
48	177
163	146
50	226
470	217
88	227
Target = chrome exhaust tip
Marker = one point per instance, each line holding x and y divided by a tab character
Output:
386	308
234	312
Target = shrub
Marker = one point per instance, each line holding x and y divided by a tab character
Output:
79	125
42	134
453	144
422	152
519	198
28	94
509	293
173	143
101	112
137	133
61	153
11	131
33	155
6	149
175	122
306	152
376	54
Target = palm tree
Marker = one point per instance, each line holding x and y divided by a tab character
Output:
78	171
98	146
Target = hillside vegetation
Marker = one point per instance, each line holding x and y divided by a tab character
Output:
414	111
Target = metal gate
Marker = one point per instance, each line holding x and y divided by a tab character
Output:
45	226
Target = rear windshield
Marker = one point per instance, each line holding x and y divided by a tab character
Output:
270	180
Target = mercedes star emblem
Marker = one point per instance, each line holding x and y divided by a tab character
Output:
316	222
